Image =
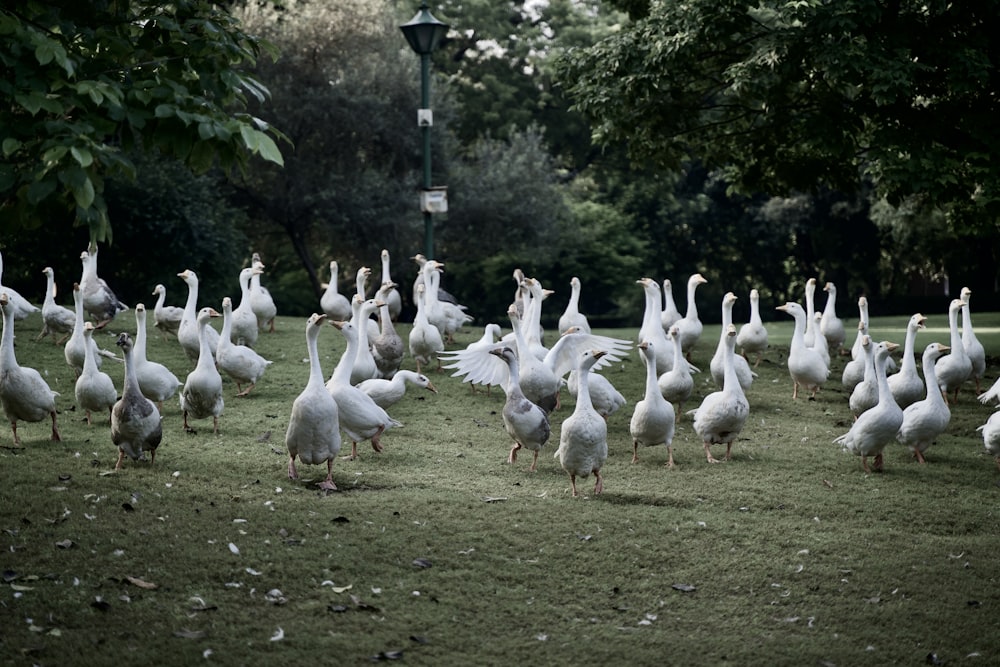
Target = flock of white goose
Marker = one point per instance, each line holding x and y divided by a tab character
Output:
367	379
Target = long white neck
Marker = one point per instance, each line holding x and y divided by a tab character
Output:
909	361
884	391
731	381
89	363
830	308
652	385
139	350
956	337
692	307
385	268
315	369
205	359
342	373
755	310
50	289
8	361
934	395
191	306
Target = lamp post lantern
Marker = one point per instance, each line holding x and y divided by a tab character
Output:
424	33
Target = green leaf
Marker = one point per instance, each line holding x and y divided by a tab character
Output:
41	190
269	150
84	193
83	156
10	146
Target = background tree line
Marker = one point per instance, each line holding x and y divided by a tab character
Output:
520	93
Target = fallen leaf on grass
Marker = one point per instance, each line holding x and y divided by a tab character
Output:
184	633
235	549
136	581
421	562
684	588
278	636
492	499
388	655
65	544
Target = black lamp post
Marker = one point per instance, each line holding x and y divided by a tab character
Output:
424	33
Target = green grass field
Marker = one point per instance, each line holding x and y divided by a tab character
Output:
438	552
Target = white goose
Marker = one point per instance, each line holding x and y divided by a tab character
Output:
991	436
810	334
261	300
676	384
75	350
156	381
718	364
906	385
973	348
166	318
878	426
244	327
925	420
831	326
531	323
652	330
360	417
854	370
335	305
239	362
25	396
865	393
605	398
313	432
19	306
388	347
752	336
55	318
425	341
201	396
572	317
388	392
494	371
583	440
391	295
364	366
805	364
690	326
653	419
135	421
526	423
722	414
670	314
954	369
189	331
94	390
370	328
98	299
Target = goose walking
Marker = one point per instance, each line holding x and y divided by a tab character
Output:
240	362
156	381
243	322
669	314
973	348
722	415
831	326
75	350
201	396
425	341
717	365
313	433
388	347
24	395
805	364
56	319
390	296
572	317
166	318
865	394
752	336
878	426
690	326
336	306
854	370
583	440
653	419
261	301
135	421
907	387
925	420
991	436
387	392
94	390
189	331
954	369
652	330
676	384
525	422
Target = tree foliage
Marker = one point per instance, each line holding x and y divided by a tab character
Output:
789	96
85	84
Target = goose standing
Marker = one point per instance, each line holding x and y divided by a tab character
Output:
425	340
876	427
56	319
925	420
244	327
388	348
652	330
690	326
854	370
364	367
718	364
531	323
20	307
335	305
156	381
313	432
525	422
973	348
670	314
805	364
189	331
819	342
752	336
810	334
166	318
676	384
260	298
831	326
135	421
954	369
75	350
991	436
605	398
721	416
360	417
391	295
583	440
653	419
24	394
94	390
388	392
202	394
239	362
572	317
98	299
865	393
369	327
906	385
